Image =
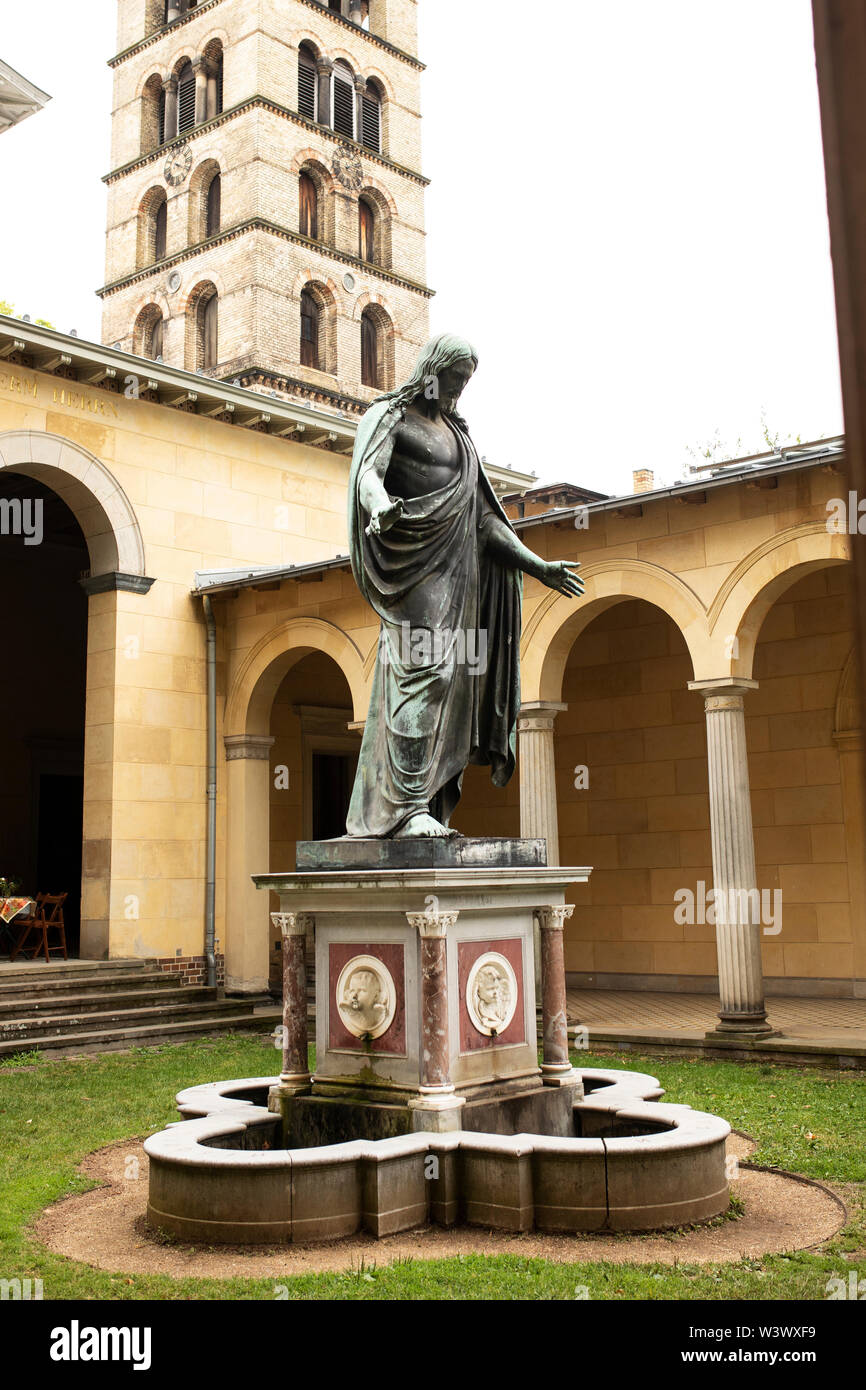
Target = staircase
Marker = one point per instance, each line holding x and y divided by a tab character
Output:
105	1006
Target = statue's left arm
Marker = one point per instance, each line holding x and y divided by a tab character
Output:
502	542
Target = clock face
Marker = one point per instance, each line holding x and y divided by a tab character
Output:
349	169
178	165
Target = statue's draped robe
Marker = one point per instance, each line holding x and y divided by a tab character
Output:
440	595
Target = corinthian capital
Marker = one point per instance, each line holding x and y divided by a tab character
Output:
553	918
432	924
292	923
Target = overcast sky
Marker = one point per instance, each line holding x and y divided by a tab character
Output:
627	218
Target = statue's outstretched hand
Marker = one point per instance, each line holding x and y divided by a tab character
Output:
559	577
385	517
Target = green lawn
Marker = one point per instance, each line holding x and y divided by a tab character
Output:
52	1113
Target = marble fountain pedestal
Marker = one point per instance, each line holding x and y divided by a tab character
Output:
425	990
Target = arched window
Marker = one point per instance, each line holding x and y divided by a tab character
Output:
160	231
344	100
307	83
148	334
209	335
370	374
371	136
162	117
310	325
185	98
366	232
309	200
213	209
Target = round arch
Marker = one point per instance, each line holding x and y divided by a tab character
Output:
556	624
96	499
744	600
248	708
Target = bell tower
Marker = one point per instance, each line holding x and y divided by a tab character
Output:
266	199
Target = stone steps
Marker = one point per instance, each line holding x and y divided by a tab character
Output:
118	1039
94	1006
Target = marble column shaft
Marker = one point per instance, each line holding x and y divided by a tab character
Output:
200	69
737	903
551	920
325	69
435	1049
293	928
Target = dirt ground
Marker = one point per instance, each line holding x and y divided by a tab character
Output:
106	1228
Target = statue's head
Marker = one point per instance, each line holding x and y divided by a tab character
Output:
442	371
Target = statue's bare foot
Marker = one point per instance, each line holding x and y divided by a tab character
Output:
424	827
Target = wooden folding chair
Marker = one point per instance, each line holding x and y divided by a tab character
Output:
47	917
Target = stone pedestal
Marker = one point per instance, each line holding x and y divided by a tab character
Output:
425	995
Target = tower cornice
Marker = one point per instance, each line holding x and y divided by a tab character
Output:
254	224
201	9
264	103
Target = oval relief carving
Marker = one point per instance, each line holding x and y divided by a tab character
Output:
366	997
491	993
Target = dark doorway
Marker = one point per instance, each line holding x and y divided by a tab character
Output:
58	846
333	775
42	697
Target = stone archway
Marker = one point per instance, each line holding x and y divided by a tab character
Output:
93	495
248	743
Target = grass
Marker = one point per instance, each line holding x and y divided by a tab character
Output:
53	1112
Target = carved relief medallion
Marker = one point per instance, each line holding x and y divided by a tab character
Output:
491	993
366	997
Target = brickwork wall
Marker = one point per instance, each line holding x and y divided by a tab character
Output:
193	969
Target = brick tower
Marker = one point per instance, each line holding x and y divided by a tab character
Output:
265	203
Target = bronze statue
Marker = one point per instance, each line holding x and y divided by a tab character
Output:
436	557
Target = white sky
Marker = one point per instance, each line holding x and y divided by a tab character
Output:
627	218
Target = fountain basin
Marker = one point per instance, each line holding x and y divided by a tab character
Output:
219	1176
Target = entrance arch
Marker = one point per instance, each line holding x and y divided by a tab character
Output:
92	494
249	741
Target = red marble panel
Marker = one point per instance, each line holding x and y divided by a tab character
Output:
471	1040
391	955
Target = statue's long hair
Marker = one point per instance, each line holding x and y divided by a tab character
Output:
437	356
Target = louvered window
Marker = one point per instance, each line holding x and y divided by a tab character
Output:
309	331
162	118
160	230
372	122
185	99
219	87
309	198
307	85
369	352
214	201
344	101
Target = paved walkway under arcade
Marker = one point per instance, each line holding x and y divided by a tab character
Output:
822	1032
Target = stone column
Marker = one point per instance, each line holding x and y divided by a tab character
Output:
539	819
325	68
199	67
173	11
360	89
211	103
294	927
247	850
737	902
556	1068
539	816
170	108
437	1107
355	13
